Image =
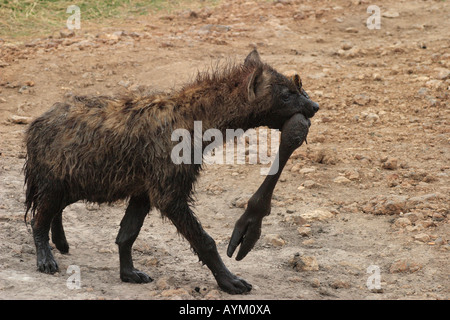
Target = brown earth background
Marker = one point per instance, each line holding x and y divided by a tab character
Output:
371	187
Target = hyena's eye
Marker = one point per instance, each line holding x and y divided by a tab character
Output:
286	97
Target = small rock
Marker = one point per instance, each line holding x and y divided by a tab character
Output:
317	214
346	46
309	184
307	170
176	294
422	91
213	295
213	28
422	237
424	198
370	116
324	156
402	222
296	167
274	240
165	283
351	30
443	74
240	202
361	99
66	33
340	284
315	283
124	83
438	217
390	14
20	119
393	180
434	83
390	164
296	219
404	266
304	231
388	205
304	263
341	180
413	216
376	77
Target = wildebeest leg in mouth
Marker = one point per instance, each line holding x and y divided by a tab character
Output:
248	227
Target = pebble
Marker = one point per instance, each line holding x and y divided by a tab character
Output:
240	202
340	284
296	219
309	184
296	167
404	266
307	170
176	294
413	216
317	215
422	237
304	231
213	295
390	14
376	77
303	263
402	222
66	33
361	99
352	175
346	46
387	205
390	164
341	180
315	283
20	119
274	240
434	83
442	73
351	30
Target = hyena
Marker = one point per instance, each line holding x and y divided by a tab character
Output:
102	149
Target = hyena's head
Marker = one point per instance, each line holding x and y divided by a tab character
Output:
280	96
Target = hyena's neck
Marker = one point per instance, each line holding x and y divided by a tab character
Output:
220	102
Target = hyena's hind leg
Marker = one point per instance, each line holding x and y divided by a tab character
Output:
58	234
46	211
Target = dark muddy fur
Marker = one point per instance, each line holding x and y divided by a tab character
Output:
103	149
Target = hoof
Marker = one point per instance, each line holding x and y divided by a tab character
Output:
135	276
47	265
234	285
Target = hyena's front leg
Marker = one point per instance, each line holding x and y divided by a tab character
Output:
186	223
137	210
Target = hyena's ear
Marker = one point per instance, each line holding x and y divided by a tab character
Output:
295	78
257	83
253	58
297	81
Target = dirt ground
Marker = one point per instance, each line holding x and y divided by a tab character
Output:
368	195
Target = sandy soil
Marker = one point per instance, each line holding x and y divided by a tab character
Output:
370	190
